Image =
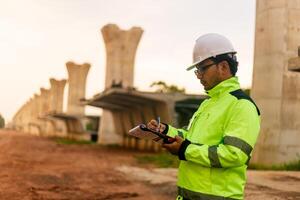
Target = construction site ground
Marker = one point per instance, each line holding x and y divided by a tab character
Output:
39	168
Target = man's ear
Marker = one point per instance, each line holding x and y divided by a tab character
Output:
224	69
224	66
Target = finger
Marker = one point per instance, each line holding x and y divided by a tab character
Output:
165	145
178	138
162	127
153	122
171	140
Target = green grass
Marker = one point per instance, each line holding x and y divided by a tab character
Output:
112	146
292	166
68	141
161	160
166	160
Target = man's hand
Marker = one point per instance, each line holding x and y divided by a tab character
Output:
153	125
173	148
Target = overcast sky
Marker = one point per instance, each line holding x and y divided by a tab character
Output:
37	38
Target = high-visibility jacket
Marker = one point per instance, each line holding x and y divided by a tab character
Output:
218	144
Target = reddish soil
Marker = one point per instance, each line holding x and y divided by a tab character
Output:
38	168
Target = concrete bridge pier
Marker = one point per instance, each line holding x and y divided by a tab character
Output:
121	46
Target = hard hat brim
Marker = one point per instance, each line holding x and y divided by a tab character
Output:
192	66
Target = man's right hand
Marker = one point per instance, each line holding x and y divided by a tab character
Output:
153	125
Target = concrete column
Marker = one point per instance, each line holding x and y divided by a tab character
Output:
121	48
35	106
42	109
45	101
26	116
108	134
19	117
77	83
290	115
56	95
15	119
57	127
32	109
34	125
277	35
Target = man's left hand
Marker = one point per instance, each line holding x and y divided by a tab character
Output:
173	148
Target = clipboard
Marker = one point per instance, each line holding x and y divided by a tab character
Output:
141	131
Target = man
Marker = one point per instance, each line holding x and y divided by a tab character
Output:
216	147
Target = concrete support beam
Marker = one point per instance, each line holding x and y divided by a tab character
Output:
294	63
17	119
37	108
277	37
45	101
77	83
134	108
26	116
34	109
121	49
55	126
32	117
35	125
57	95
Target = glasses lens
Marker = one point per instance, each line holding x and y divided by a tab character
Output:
203	68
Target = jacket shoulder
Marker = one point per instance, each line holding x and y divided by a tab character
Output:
239	94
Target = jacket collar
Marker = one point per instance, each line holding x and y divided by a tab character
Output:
225	86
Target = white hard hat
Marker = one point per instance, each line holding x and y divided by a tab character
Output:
210	45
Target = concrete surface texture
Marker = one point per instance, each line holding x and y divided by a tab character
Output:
121	46
32	116
55	126
57	94
45	101
34	122
294	63
77	75
19	118
130	108
276	89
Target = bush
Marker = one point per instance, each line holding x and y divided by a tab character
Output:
162	160
292	166
67	141
2	122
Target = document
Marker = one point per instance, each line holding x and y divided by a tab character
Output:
141	131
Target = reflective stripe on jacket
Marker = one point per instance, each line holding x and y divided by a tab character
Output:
218	144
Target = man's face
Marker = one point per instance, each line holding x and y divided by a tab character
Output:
208	74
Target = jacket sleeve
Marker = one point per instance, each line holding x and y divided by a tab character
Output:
240	135
172	132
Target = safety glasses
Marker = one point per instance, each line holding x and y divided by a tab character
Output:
201	69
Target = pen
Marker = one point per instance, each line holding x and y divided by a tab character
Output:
158	126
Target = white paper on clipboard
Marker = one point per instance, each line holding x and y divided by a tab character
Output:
141	131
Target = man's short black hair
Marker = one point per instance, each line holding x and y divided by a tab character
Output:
230	58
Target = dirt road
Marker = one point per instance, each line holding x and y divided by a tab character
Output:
38	168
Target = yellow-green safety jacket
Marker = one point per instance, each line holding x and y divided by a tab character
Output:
218	144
